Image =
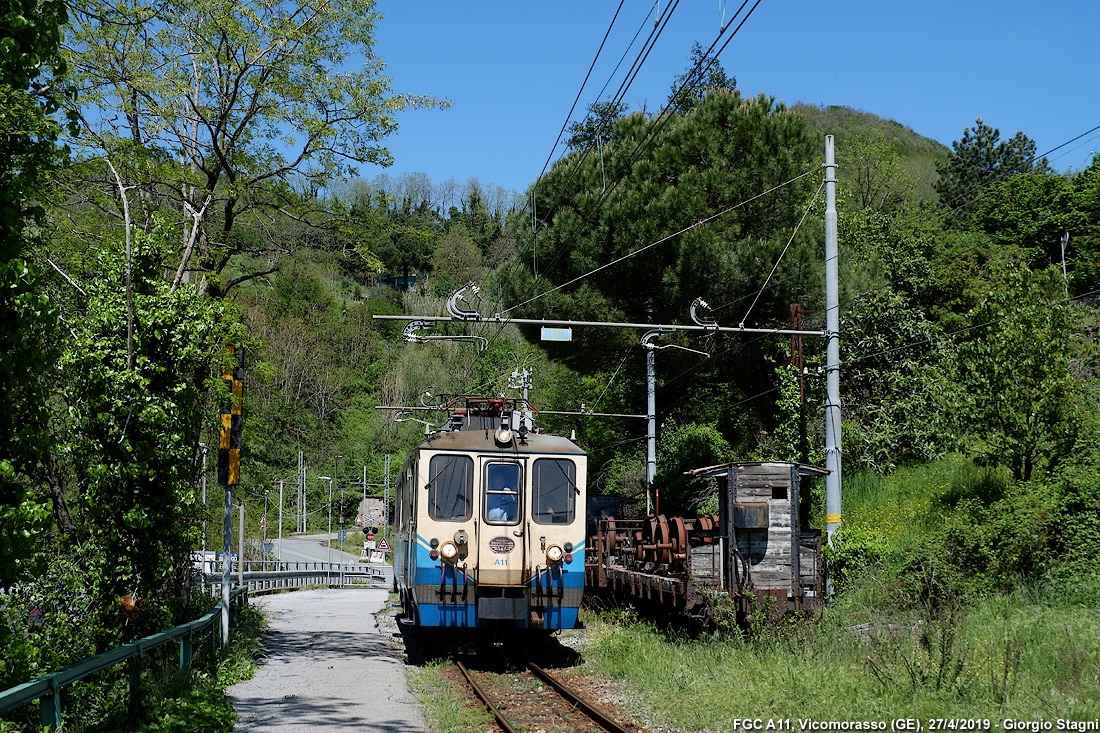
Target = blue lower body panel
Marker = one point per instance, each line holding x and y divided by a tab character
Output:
461	615
447	598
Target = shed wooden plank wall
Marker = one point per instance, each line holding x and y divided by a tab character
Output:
767	550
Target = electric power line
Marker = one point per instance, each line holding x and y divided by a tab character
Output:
688	228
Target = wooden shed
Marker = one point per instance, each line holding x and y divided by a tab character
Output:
763	547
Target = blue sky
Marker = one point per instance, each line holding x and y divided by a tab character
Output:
512	69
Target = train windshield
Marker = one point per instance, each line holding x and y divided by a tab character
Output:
502	492
450	486
554	490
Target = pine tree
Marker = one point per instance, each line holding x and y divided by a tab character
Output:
703	75
979	159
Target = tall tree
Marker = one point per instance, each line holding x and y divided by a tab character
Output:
978	159
212	108
479	222
704	74
1085	243
597	127
1031	211
29	96
662	176
131	406
1013	387
400	233
879	181
456	260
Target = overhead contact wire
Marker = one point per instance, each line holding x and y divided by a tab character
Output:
666	238
581	90
781	254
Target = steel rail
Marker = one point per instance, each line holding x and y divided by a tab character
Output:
586	707
501	720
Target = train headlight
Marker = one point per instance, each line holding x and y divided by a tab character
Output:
554	553
504	435
449	551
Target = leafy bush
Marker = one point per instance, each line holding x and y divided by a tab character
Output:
192	702
44	621
854	551
682	448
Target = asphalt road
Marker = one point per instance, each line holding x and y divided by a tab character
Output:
327	667
309	548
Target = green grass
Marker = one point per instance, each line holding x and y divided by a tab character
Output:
895	642
1020	657
445	711
894	513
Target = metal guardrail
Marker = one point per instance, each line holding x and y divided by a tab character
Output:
270	577
273	576
47	688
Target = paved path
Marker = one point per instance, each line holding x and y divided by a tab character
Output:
310	548
327	667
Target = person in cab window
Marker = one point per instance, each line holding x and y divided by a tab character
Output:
502	501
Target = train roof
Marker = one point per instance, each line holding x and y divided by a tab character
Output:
476	423
484	441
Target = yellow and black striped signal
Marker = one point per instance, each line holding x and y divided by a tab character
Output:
229	442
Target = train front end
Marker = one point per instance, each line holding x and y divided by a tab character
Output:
491	524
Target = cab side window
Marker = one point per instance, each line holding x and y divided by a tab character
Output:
554	491
450	487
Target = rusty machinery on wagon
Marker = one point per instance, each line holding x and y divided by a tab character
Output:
756	549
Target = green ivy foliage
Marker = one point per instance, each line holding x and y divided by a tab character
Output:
30	64
133	410
894	362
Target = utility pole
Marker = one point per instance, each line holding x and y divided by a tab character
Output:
204	516
300	523
240	549
1065	277
227	563
832	350
651	417
280	519
328	538
336	480
229	469
386	497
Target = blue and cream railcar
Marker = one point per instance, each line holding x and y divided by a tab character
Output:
490	524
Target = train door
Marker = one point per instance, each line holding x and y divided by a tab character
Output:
501	547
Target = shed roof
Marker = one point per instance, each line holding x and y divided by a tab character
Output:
722	469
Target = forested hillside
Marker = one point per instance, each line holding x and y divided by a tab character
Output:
158	216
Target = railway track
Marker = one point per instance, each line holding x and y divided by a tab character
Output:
569	709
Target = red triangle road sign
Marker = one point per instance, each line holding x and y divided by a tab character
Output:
383	545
